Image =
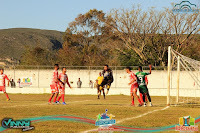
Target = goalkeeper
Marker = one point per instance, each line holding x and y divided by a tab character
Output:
108	78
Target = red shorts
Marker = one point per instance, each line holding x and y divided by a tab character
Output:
3	88
54	88
134	87
62	90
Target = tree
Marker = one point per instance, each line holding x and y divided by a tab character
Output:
150	33
86	34
37	56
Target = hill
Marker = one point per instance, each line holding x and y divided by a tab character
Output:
14	41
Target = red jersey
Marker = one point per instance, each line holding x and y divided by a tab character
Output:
132	77
64	79
55	77
2	80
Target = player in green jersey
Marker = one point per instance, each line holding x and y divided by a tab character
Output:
142	84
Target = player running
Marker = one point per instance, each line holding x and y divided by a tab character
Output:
64	79
54	84
108	78
100	79
3	83
142	84
134	86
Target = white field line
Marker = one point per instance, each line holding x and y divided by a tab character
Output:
42	104
131	118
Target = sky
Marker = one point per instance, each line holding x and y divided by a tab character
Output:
56	14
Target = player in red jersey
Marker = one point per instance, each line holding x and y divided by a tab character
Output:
134	86
64	79
54	84
3	83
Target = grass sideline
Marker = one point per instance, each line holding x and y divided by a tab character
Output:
32	105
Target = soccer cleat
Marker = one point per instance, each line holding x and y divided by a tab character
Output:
64	103
145	104
139	105
54	103
132	104
49	103
57	102
151	104
8	99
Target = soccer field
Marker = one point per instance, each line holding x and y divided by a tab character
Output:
79	115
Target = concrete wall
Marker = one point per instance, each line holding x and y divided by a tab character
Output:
157	82
113	91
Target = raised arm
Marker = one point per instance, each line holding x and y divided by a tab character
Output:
150	67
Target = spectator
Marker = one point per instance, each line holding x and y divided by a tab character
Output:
19	82
91	84
12	83
79	83
96	83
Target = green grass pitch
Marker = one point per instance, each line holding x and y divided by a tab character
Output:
88	106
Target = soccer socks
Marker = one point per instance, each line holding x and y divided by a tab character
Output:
139	100
55	97
59	98
133	101
144	95
7	96
50	99
54	100
63	97
141	97
148	96
104	95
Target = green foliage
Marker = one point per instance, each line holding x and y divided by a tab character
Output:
129	59
37	56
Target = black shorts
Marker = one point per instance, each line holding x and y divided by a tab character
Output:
106	82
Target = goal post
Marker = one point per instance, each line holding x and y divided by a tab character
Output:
168	75
178	80
183	82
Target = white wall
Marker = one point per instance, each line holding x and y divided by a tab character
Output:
157	82
113	91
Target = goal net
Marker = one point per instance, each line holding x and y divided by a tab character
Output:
183	79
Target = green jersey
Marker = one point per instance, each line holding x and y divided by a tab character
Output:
141	78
